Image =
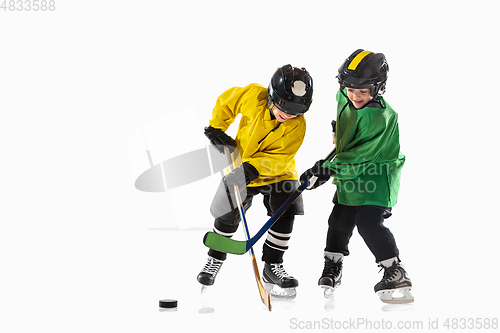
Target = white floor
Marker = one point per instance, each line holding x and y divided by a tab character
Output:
444	288
100	260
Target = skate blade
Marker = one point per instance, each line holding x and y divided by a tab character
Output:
203	289
387	296
278	292
329	292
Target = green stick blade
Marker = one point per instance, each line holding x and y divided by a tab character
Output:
224	244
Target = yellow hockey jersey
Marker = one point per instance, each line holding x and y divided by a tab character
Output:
268	145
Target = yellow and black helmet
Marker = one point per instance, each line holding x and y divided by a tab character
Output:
363	70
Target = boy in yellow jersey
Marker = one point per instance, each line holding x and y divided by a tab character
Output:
270	132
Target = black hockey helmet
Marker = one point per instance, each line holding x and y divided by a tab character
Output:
364	69
291	90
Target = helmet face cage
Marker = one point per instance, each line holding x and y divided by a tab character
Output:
364	70
290	90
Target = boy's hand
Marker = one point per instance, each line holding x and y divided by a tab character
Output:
317	170
235	177
241	177
219	139
334	124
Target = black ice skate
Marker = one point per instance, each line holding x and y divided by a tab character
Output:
331	277
209	272
278	282
395	280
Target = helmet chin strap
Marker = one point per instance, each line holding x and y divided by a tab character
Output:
374	95
342	87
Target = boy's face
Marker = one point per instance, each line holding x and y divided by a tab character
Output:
280	115
359	97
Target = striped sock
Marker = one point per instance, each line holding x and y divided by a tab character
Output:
277	241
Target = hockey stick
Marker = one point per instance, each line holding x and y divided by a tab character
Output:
265	296
224	244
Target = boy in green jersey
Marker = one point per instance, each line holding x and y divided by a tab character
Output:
367	171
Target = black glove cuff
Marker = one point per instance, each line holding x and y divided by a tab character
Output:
250	172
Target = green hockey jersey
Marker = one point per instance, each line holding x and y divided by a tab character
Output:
368	162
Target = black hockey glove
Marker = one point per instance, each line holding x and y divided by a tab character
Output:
241	176
219	139
317	170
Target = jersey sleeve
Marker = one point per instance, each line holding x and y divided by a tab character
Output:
226	109
229	105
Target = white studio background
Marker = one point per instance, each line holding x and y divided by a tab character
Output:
82	249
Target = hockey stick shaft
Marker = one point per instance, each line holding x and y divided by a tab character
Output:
264	294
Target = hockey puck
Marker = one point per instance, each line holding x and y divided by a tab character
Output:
168	303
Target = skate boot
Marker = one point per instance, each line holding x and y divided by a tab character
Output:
395	281
331	277
209	272
278	282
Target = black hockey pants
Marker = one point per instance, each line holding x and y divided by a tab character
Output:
369	220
